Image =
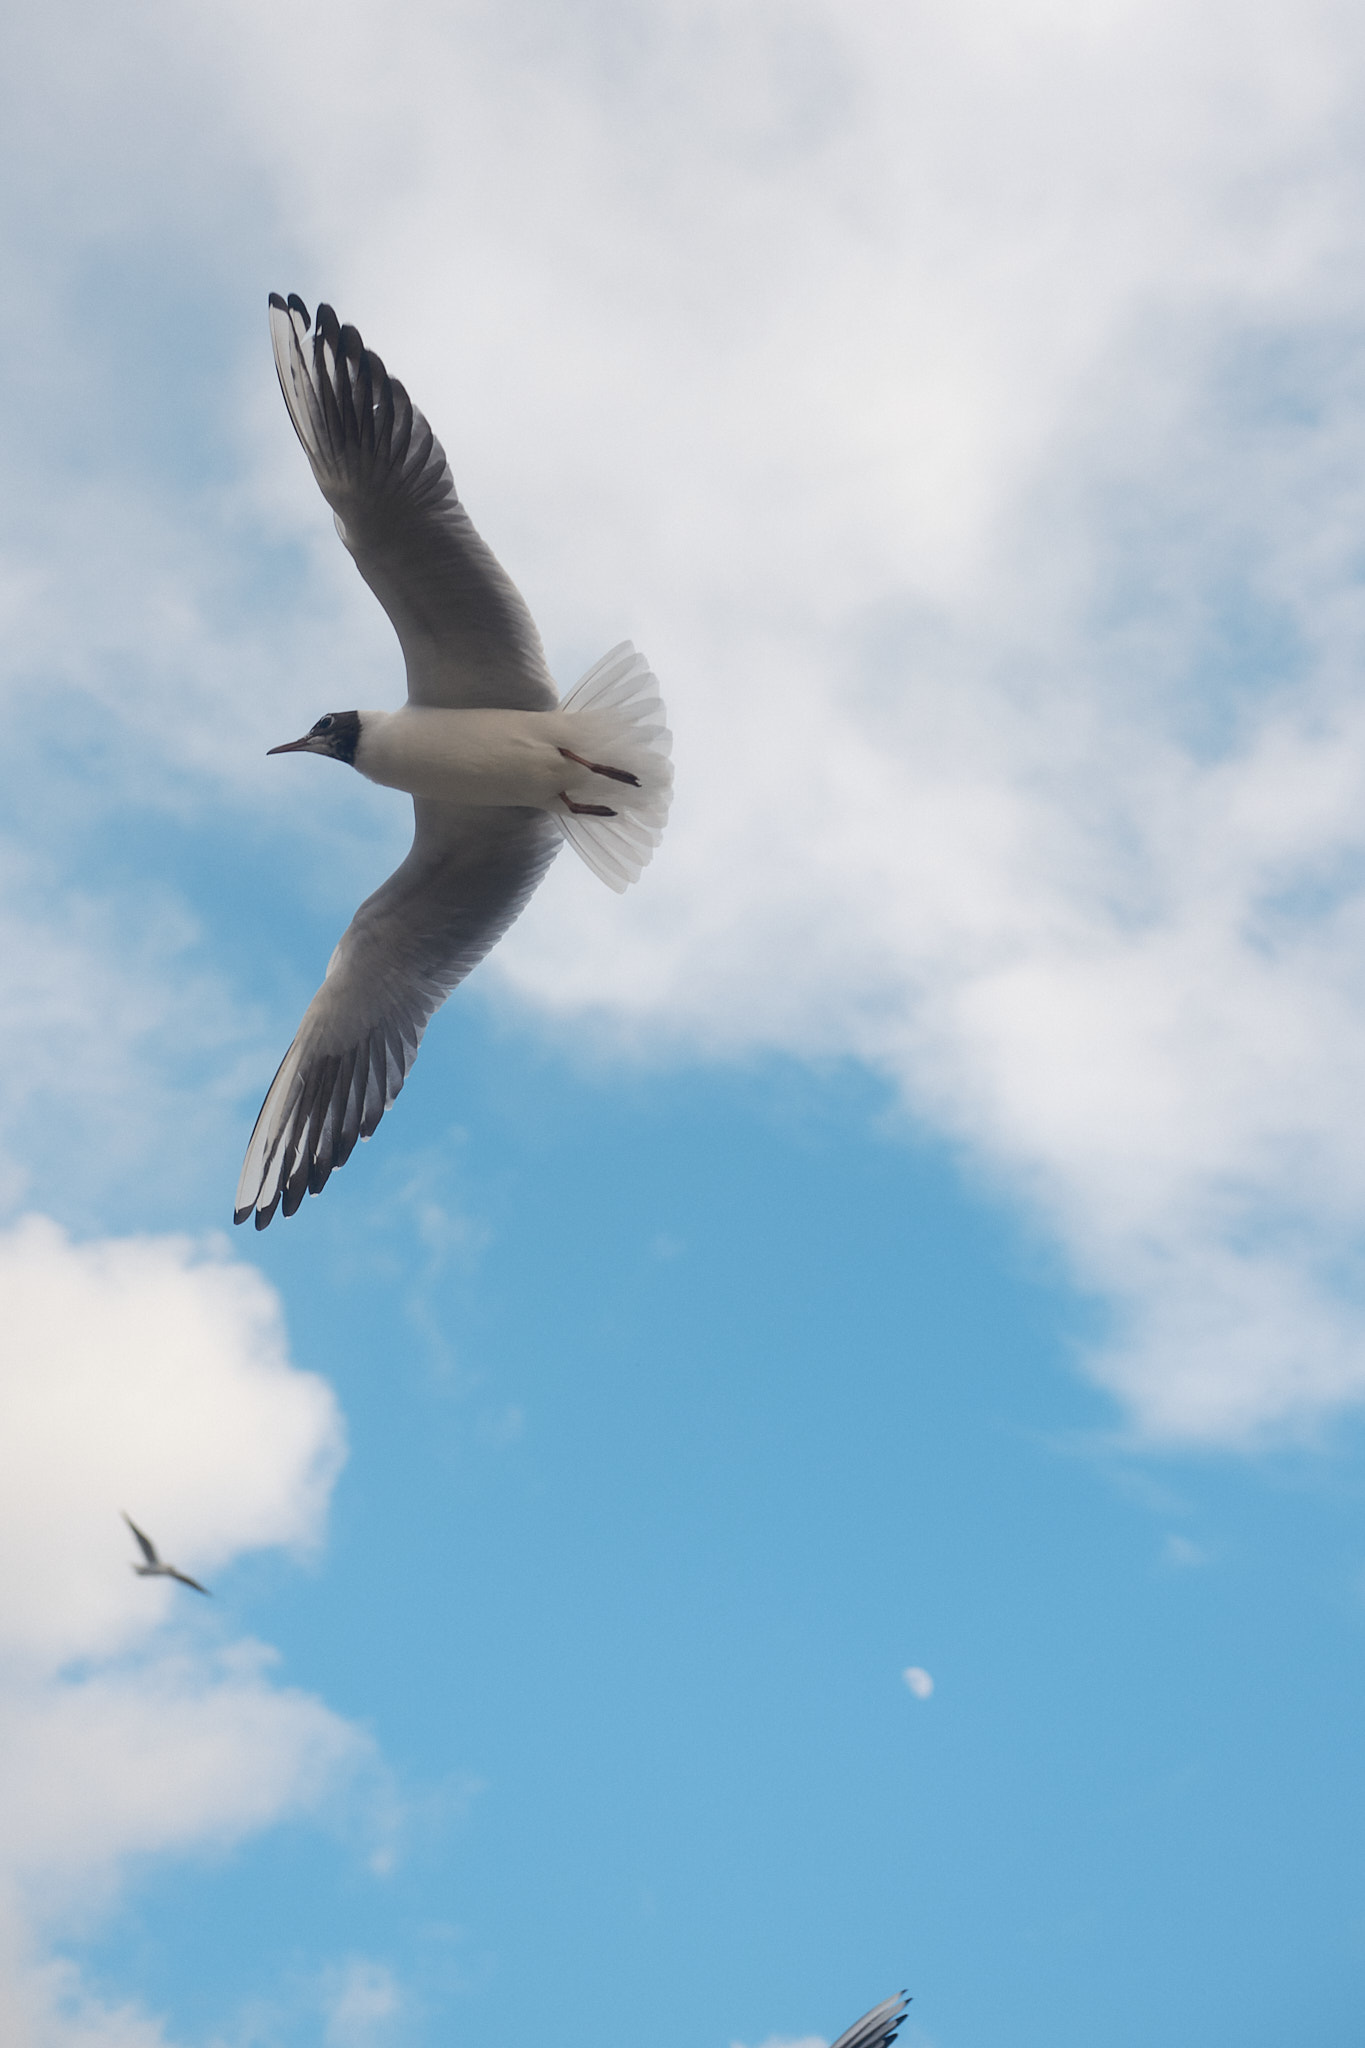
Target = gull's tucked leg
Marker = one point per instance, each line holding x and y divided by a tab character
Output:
586	810
598	768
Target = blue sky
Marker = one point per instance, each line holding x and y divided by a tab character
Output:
917	1227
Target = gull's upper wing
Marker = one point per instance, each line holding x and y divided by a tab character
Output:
876	2029
469	873
145	1543
466	634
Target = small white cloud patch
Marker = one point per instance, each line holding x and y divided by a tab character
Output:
361	2004
918	1680
788	2041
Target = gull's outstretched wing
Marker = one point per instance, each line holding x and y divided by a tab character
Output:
876	2029
186	1580
470	871
145	1543
466	634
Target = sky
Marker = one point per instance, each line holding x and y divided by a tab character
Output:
819	1448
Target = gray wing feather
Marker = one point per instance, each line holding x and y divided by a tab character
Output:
467	637
876	2029
468	875
145	1543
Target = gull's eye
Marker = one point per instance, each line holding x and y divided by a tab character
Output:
325	724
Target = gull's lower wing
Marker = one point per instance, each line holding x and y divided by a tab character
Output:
186	1580
470	871
467	636
876	2029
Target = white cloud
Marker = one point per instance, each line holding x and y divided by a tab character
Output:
122	1048
361	2002
788	2041
962	408
918	1681
151	1373
43	2004
1009	619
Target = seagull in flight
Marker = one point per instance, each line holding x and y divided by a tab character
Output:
878	2028
499	770
152	1566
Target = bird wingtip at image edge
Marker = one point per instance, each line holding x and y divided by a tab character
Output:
878	2026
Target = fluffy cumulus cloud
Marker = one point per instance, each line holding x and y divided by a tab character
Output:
963	405
150	1374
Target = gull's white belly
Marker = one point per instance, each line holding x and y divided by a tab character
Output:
469	757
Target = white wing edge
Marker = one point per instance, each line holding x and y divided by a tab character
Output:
289	327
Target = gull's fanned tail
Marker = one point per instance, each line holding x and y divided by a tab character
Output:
624	723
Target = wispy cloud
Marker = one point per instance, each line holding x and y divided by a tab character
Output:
362	2001
788	2041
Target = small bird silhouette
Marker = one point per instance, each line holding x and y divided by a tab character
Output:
154	1568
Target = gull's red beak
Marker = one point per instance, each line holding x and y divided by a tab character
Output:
292	746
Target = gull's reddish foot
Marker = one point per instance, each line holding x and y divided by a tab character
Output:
599	768
586	810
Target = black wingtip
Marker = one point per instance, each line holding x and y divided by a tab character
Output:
329	327
279	303
294	304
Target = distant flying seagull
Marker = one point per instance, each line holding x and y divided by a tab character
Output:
878	2028
153	1568
498	769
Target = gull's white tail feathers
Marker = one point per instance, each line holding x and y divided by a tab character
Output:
624	723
